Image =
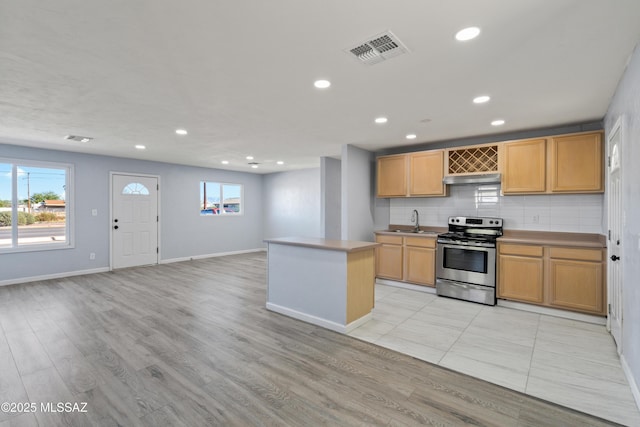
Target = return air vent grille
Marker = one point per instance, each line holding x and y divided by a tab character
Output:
378	48
78	138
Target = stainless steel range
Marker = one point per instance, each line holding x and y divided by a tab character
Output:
466	259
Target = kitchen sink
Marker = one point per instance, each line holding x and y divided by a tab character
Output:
413	232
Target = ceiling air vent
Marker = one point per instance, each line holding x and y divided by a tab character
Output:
78	138
378	48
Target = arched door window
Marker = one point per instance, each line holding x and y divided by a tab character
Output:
135	189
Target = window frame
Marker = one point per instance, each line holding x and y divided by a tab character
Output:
69	198
221	185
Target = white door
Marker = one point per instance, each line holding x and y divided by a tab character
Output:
134	220
615	218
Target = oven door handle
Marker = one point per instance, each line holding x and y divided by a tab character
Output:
472	248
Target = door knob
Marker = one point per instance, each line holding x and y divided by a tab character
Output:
614	257
115	227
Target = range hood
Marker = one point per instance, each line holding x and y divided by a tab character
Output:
492	178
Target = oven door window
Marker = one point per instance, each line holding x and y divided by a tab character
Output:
465	259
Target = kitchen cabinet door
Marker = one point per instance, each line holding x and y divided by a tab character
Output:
525	167
389	257
520	278
426	171
420	265
577	285
577	163
392	176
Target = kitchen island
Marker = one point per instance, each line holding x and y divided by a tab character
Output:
329	283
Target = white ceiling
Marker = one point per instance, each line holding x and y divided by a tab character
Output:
238	75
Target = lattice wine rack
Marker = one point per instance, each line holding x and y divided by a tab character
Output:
473	160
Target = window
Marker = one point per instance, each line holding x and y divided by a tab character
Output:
220	199
135	189
34	205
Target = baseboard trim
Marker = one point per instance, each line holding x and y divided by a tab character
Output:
106	269
571	315
52	276
358	322
318	321
630	379
403	285
214	255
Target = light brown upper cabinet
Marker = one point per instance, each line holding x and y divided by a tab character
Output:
392	176
561	164
411	175
576	163
425	173
524	169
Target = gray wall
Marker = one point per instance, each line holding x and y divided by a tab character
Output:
358	167
291	204
331	195
626	104
184	233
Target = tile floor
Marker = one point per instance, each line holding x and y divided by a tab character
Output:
565	361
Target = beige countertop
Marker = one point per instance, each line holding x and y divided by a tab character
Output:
328	244
549	238
587	240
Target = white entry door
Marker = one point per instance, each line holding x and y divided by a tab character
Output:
615	219
134	220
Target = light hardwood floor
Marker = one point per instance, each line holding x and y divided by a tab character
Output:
191	344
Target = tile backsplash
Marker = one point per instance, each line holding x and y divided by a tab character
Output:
574	213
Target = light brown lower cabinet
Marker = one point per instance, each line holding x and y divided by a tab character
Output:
521	278
389	257
577	279
559	277
420	261
408	259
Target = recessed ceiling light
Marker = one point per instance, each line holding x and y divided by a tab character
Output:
481	99
181	131
254	166
225	162
467	34
322	84
280	162
411	136
249	157
381	120
498	122
140	147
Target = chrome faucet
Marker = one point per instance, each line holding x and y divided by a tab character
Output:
415	217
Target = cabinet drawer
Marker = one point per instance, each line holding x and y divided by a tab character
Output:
421	242
390	240
577	254
524	250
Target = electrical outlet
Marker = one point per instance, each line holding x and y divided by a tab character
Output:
92	255
536	219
